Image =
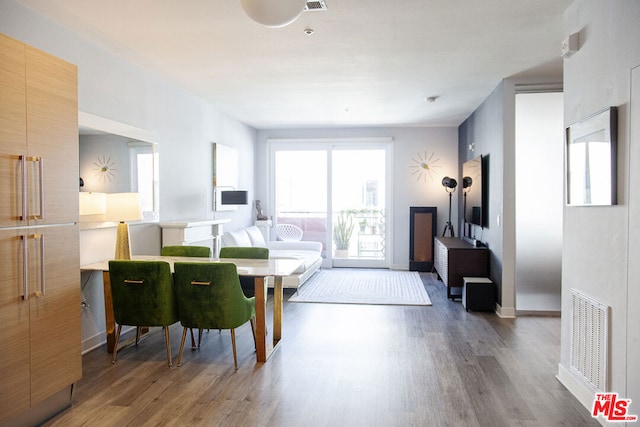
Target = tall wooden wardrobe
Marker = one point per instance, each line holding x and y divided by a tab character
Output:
40	342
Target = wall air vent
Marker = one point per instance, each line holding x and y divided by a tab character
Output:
589	340
315	5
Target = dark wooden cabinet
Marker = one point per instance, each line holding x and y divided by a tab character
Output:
456	259
422	229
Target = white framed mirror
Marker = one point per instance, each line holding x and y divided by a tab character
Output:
116	158
591	160
225	174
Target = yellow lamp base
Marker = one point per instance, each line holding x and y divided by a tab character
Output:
123	245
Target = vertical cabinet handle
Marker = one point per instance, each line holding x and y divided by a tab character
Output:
23	162
25	211
25	265
25	268
42	262
41	179
40	162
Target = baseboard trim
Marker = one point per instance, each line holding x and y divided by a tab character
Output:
93	342
541	313
575	386
99	339
505	313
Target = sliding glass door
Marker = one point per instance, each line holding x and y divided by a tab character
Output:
358	202
301	192
338	195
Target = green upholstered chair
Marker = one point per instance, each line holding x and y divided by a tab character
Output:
192	251
245	252
188	251
209	297
143	295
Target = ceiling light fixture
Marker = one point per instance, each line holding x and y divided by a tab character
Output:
308	31
273	13
432	99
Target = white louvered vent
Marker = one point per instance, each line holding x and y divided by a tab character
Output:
315	5
589	340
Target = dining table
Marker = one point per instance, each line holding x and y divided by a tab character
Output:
259	269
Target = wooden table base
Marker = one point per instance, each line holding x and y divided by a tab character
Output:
264	348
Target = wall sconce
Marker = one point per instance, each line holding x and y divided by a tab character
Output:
123	207
234	197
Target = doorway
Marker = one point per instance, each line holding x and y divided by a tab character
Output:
539	201
337	193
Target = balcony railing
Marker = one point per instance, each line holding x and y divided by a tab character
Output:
367	239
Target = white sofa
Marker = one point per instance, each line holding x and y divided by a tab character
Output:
307	251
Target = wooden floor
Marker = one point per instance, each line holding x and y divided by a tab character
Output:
342	365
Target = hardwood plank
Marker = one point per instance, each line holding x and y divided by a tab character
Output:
343	365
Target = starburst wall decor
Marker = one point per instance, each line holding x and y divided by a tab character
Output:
424	165
104	168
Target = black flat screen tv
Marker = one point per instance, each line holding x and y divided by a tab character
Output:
472	191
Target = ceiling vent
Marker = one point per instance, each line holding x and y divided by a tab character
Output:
315	5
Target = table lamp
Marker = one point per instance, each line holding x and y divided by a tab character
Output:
123	207
93	204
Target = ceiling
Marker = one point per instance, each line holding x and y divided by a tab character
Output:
367	63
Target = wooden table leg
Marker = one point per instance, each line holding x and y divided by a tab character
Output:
277	310
261	318
110	323
263	347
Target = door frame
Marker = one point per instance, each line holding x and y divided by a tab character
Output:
329	145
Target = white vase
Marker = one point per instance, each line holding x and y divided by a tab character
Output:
341	253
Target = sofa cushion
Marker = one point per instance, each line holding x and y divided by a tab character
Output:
308	258
304	245
307	251
236	238
256	237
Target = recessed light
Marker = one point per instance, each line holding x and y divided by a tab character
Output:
432	99
308	31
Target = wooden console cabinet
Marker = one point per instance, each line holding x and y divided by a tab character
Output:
455	259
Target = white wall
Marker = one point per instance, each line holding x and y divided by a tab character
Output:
539	201
600	253
185	125
115	151
407	191
633	314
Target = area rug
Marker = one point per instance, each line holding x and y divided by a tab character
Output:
363	286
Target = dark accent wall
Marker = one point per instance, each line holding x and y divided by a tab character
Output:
485	131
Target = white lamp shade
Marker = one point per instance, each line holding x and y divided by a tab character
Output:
124	207
93	203
273	13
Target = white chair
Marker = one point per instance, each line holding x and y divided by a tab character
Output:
288	232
